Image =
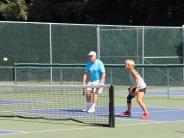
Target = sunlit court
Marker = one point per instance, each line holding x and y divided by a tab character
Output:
41	91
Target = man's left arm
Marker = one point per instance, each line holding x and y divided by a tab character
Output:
102	81
103	76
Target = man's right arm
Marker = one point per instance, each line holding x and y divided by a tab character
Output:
85	75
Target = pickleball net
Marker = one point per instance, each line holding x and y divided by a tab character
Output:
56	102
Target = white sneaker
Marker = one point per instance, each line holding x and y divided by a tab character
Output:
85	110
91	110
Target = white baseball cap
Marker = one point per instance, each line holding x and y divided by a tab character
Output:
92	53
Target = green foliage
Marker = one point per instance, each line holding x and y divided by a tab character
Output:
128	12
56	10
13	9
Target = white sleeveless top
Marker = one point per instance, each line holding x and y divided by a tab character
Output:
141	83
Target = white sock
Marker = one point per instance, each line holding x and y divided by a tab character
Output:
93	105
88	104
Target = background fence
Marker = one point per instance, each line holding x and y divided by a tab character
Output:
154	75
51	43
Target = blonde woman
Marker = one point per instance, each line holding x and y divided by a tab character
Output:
137	90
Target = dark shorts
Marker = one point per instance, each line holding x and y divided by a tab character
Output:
143	90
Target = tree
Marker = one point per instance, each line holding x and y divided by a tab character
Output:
13	10
56	11
128	12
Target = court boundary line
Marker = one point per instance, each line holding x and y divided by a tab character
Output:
93	127
13	132
147	123
175	110
165	107
161	107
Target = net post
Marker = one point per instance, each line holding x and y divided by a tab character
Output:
111	107
13	70
14	75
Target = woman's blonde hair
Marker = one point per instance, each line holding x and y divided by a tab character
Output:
130	62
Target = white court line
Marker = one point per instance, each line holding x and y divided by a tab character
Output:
12	132
175	110
162	107
54	130
147	123
84	128
182	108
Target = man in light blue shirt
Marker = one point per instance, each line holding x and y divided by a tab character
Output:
95	72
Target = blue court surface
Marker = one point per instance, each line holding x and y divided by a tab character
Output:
157	113
16	102
165	92
8	132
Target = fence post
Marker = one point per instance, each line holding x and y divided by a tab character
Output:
168	83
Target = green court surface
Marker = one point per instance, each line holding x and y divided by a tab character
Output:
155	127
124	128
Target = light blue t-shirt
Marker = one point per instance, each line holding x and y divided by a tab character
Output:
95	70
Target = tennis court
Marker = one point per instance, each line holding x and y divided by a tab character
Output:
167	120
54	54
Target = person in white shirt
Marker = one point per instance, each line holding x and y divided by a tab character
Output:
138	89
